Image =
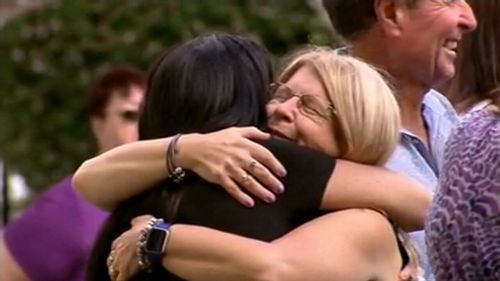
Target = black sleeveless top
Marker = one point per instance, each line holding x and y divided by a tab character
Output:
308	172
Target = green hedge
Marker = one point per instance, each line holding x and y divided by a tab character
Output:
49	56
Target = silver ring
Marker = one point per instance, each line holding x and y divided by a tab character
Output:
113	274
110	260
245	177
252	165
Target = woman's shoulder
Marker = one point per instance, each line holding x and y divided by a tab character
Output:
473	150
374	221
371	232
280	146
478	130
301	161
479	122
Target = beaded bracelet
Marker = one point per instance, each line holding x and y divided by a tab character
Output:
142	260
176	173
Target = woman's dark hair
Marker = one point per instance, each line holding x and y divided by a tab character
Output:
478	62
206	84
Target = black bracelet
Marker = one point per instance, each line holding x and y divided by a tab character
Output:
176	173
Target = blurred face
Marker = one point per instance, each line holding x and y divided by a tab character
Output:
428	37
119	125
301	111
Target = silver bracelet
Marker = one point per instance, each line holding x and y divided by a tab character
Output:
142	260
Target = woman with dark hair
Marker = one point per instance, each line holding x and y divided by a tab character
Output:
181	77
222	80
463	225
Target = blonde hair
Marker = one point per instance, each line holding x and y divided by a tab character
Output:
366	121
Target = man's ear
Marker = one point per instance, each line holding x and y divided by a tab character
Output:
390	14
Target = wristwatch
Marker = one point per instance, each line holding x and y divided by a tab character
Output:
156	241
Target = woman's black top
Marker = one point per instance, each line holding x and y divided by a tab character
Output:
308	172
307	175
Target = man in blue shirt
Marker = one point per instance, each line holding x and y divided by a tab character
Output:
415	41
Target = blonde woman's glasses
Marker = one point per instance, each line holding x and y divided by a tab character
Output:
308	104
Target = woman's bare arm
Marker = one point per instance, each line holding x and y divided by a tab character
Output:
127	170
122	172
355	185
347	245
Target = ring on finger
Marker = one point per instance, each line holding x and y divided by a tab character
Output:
252	165
113	274
110	260
245	177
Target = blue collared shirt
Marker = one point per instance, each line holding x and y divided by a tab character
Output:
414	159
440	118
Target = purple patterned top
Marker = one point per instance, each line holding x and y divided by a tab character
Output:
463	225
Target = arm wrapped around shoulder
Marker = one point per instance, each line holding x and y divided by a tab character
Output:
355	185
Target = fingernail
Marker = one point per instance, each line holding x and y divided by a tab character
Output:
270	198
282	173
249	203
280	188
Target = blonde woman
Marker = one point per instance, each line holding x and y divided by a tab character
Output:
345	245
363	115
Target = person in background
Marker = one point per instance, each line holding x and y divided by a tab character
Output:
415	41
463	225
478	62
52	239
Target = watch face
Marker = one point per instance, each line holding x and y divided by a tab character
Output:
156	240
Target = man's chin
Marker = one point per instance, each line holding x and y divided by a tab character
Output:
443	76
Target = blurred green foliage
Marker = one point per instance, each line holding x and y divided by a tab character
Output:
49	56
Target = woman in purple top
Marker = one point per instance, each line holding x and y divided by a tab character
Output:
463	225
52	239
